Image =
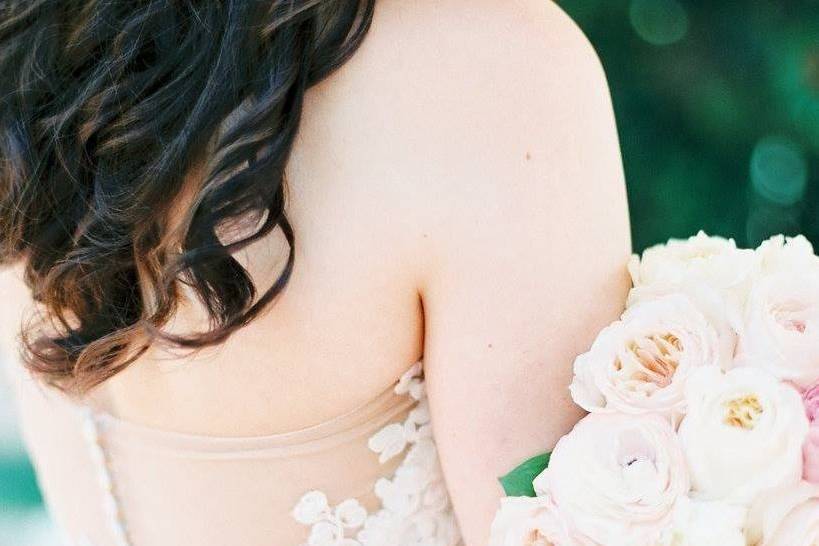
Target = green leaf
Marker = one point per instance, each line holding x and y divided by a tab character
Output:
518	482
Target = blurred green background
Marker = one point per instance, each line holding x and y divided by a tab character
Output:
717	105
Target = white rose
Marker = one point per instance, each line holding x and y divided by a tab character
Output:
789	516
697	523
787	254
641	362
781	326
742	435
713	260
616	479
531	521
722	309
711	271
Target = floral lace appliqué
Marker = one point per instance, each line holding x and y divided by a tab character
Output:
415	508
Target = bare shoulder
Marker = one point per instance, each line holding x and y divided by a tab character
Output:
498	126
501	108
459	113
519	24
424	57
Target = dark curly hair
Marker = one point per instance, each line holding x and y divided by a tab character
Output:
107	107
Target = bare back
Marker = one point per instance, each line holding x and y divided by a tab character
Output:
407	191
350	320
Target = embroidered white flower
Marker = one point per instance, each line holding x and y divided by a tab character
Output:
411	383
312	507
325	533
350	513
329	525
415	508
388	442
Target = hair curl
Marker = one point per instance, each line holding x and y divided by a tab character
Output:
106	106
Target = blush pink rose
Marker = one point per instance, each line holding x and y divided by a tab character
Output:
810	451
811	399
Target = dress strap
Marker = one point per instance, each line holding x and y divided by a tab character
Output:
96	450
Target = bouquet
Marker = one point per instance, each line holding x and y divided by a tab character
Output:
703	401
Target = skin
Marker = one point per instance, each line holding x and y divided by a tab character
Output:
528	238
456	192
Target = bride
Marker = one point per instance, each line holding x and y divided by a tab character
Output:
291	272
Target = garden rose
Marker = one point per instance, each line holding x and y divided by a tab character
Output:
714	261
786	254
641	362
781	326
697	523
789	516
531	521
711	271
722	310
742	434
616	478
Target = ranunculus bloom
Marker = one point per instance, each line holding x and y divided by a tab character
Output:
743	433
788	516
781	326
713	260
616	479
531	521
640	363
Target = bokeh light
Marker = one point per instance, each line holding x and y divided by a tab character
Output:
793	77
690	114
779	170
659	22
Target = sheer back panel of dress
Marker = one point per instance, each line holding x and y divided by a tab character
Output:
369	477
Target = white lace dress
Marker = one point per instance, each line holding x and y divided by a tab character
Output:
415	506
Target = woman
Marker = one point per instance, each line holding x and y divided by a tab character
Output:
231	228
